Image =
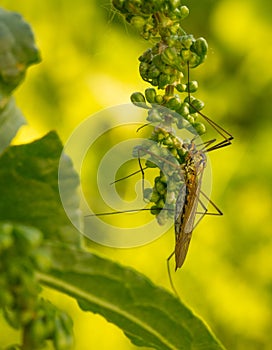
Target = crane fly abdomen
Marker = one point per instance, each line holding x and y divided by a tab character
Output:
187	202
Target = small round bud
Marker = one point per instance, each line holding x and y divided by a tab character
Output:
138	99
159	99
150	95
181	87
199	127
192	86
155	196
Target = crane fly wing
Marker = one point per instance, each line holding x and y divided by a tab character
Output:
181	248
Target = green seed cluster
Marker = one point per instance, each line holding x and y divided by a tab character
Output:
165	63
21	254
169	102
153	17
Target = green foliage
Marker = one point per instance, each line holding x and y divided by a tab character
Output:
148	315
39	246
17	52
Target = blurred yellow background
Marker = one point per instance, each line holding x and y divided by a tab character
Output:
90	63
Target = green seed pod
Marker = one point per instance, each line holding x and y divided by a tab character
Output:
138	22
192	86
138	99
181	87
146	56
152	72
160	187
169	56
155	197
200	128
150	95
196	105
155	210
155	82
184	109
157	61
159	99
200	47
168	141
143	69
163	178
184	12
173	103
164	80
161	203
190	119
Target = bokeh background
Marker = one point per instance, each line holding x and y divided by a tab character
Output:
90	63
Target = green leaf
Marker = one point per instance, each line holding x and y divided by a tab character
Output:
29	188
149	316
17	51
11	119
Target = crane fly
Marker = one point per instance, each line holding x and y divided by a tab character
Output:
188	198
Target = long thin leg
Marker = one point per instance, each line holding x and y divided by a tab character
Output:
142	171
169	273
222	132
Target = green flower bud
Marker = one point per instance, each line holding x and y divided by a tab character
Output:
160	203
146	56
152	72
155	210
138	99
184	109
157	61
173	103
190	119
159	99
138	22
184	12
150	95
169	56
196	105
160	187
200	47
192	86
168	141
155	196
181	87
200	128
143	69
164	80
